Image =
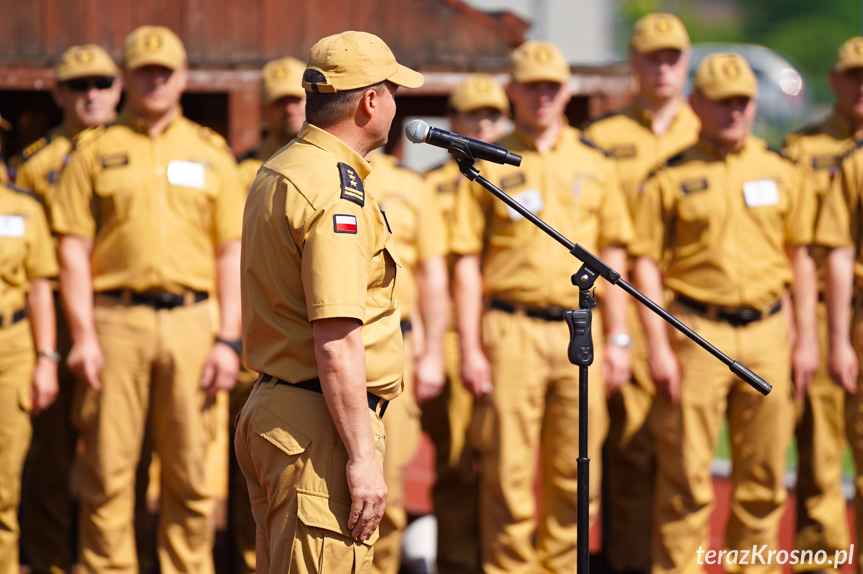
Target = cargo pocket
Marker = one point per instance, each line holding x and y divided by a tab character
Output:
279	433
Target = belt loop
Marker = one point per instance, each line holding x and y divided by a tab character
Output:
126	297
188	297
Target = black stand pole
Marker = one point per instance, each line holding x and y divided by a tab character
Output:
580	350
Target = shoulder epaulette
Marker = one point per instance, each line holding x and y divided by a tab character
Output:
23	191
352	185
212	137
590	143
777	151
401	165
852	149
38	145
591	121
248	155
670	162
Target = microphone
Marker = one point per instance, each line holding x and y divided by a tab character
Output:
419	131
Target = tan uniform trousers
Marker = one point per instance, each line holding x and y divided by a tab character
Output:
297	483
241	523
760	430
854	428
532	414
16	368
402	426
629	464
821	504
455	494
153	362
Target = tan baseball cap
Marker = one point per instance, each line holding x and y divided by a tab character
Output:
283	77
659	32
352	60
85	62
537	61
849	55
721	76
478	91
153	46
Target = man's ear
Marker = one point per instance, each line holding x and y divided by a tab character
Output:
369	101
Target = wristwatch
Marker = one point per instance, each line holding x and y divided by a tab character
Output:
620	340
50	354
236	345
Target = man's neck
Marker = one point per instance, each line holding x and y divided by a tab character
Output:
724	149
856	124
71	127
156	125
662	112
543	138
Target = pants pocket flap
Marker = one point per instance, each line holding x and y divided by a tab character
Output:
276	431
320	512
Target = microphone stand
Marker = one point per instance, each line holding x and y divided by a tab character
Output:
580	350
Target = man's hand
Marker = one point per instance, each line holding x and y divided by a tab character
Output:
476	373
844	367
44	387
220	369
86	361
616	367
368	497
429	377
665	372
805	360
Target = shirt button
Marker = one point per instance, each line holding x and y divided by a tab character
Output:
160	170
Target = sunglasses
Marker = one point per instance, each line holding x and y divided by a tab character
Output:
86	84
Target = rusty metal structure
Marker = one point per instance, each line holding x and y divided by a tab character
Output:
229	40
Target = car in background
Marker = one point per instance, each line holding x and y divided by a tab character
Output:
784	103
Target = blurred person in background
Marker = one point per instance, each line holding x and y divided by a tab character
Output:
148	212
418	229
817	150
478	108
659	124
725	227
512	286
87	89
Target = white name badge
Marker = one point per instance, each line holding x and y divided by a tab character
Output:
531	199
761	192
11	226
186	174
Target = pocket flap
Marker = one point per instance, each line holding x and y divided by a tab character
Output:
320	512
278	432
390	247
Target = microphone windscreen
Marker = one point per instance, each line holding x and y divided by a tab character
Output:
417	131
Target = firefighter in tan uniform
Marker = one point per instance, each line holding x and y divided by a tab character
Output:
87	90
420	236
820	423
724	217
28	359
839	229
513	347
321	320
284	111
656	126
148	212
478	108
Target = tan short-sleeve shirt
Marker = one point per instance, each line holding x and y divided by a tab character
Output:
156	207
315	246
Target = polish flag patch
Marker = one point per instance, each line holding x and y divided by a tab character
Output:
345	223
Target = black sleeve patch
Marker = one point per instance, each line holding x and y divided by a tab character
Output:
693	185
114	160
352	185
512	181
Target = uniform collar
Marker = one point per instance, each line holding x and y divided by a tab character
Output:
530	144
268	147
344	153
132	120
645	117
713	150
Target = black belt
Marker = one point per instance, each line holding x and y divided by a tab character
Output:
405	326
548	314
315	386
17	317
737	317
157	300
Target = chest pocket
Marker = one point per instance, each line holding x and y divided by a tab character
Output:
13	251
191	192
694	211
113	195
385	264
